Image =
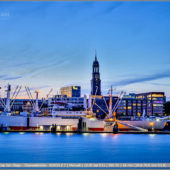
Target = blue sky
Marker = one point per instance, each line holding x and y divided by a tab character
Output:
52	44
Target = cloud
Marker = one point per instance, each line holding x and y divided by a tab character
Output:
23	91
165	74
112	7
8	77
160	84
38	68
39	87
12	77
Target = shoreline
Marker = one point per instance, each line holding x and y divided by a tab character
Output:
82	132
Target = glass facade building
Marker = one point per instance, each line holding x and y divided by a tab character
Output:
152	104
71	91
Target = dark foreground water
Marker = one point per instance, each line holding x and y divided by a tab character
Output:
83	148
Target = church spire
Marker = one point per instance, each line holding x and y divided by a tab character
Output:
95	81
95	55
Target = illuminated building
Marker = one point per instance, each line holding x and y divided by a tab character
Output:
71	91
152	104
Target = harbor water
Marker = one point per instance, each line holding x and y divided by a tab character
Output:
84	148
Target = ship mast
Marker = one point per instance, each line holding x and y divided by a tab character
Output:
110	104
7	106
36	109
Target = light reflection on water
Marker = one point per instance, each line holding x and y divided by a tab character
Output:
83	148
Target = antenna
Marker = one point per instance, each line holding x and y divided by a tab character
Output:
95	53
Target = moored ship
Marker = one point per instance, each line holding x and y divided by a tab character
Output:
66	119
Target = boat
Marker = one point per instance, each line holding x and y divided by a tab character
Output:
141	123
66	119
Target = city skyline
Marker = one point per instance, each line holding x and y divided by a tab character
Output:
52	44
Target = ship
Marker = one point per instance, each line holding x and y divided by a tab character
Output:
64	119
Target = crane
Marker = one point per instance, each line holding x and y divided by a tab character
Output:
9	101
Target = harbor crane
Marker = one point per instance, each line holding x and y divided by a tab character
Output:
34	102
9	102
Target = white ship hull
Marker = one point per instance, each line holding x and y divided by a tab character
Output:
92	124
145	124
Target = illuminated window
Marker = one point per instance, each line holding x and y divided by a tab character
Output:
157	95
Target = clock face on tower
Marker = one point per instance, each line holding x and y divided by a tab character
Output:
96	76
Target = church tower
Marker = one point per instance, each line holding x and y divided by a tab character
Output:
95	82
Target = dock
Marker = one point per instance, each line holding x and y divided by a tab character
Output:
82	132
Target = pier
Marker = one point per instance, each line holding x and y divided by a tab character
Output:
82	132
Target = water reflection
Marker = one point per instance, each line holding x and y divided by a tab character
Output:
115	136
21	133
58	134
104	135
152	135
80	148
85	134
6	133
69	134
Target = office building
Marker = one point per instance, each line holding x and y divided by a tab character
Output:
71	91
150	104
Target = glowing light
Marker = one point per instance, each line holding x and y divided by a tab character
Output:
58	127
69	134
37	91
151	123
21	133
41	127
68	128
85	134
75	88
6	133
104	135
